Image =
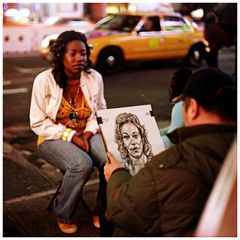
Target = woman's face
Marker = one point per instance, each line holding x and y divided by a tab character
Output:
75	58
132	140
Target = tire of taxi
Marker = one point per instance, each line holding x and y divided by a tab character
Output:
195	55
110	60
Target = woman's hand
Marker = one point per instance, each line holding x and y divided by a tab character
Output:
87	135
81	142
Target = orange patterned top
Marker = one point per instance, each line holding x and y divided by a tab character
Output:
74	117
65	116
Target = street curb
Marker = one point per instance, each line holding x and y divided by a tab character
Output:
18	224
12	154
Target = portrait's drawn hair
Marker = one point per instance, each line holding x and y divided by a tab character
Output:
120	120
59	48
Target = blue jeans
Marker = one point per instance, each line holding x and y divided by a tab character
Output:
78	166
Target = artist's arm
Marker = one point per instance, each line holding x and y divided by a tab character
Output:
130	199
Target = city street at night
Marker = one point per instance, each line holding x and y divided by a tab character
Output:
29	181
173	178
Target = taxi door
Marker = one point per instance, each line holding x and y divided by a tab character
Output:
147	43
177	36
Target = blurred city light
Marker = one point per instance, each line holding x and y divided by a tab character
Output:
12	12
132	8
21	15
197	14
24	13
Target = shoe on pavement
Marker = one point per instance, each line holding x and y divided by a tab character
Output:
96	222
67	228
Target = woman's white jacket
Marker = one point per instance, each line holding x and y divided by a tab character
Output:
46	99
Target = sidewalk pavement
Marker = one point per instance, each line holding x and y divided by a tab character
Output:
28	185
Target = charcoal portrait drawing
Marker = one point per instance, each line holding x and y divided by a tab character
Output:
133	145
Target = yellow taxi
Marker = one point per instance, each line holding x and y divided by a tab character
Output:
119	38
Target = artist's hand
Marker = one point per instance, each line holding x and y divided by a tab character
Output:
111	166
81	142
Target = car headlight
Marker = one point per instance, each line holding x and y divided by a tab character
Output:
45	43
90	45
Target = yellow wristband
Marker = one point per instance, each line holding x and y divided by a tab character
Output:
70	135
66	134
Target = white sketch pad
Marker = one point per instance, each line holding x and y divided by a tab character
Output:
143	112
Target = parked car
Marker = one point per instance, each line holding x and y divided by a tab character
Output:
71	21
56	25
124	37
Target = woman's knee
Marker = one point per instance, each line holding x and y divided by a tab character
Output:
81	166
98	151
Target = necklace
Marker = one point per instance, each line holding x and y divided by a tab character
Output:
74	100
73	115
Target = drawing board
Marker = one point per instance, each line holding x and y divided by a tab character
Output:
108	121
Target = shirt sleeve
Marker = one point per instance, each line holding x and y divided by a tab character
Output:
101	99
98	104
40	122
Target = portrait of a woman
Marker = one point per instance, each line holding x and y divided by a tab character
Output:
133	145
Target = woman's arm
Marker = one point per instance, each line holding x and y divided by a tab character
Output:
41	100
97	99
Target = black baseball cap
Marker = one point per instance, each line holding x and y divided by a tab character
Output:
206	85
215	91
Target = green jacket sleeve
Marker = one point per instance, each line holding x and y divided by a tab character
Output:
131	201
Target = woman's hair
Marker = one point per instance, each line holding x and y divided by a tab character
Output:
178	82
58	49
121	119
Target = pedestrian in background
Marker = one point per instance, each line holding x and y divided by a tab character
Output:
62	113
176	86
216	37
167	196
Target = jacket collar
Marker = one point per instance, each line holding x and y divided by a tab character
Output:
184	133
88	84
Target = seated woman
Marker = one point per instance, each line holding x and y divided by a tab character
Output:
64	101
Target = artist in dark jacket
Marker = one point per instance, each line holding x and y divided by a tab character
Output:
167	196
